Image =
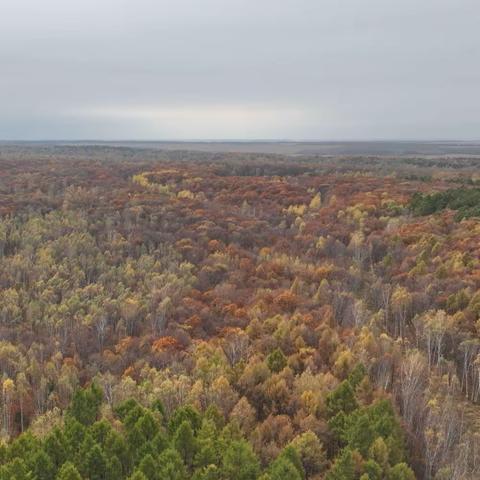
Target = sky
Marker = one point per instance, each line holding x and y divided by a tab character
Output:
239	69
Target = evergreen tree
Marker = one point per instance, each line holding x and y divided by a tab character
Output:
148	467
81	454
379	453
401	471
357	375
360	435
17	470
171	466
74	434
207	444
283	469
276	361
291	454
188	413
86	404
343	467
125	407
138	475
42	466
115	445
373	470
160	442
55	446
342	399
114	468
68	472
210	472
95	466
147	425
239	462
136	440
157	406
184	443
100	430
212	413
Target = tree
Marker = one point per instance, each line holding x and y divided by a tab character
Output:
311	451
86	404
379	454
283	469
68	472
341	400
171	466
95	465
42	466
207	445
210	472
413	379
239	462
343	467
401	302
188	413
148	467
55	446
138	475
276	360
373	470
361	433
184	443
291	455
244	414
401	471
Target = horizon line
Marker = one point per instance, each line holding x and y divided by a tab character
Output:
241	140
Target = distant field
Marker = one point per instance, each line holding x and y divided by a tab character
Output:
298	148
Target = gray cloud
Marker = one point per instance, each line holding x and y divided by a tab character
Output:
187	69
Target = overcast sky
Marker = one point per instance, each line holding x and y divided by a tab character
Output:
239	69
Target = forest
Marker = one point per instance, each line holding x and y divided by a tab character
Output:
177	315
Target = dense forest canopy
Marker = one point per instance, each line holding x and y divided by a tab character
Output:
177	315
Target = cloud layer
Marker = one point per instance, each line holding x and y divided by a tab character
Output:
239	69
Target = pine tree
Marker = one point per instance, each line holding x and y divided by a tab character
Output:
160	442
343	467
74	434
342	399
276	361
100	430
187	412
68	472
207	445
138	475
55	446
360	435
373	470
86	404
210	472
291	454
401	471
283	469
239	462
95	466
148	467
17	470
42	466
114	468
147	425
184	443
171	466
115	445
